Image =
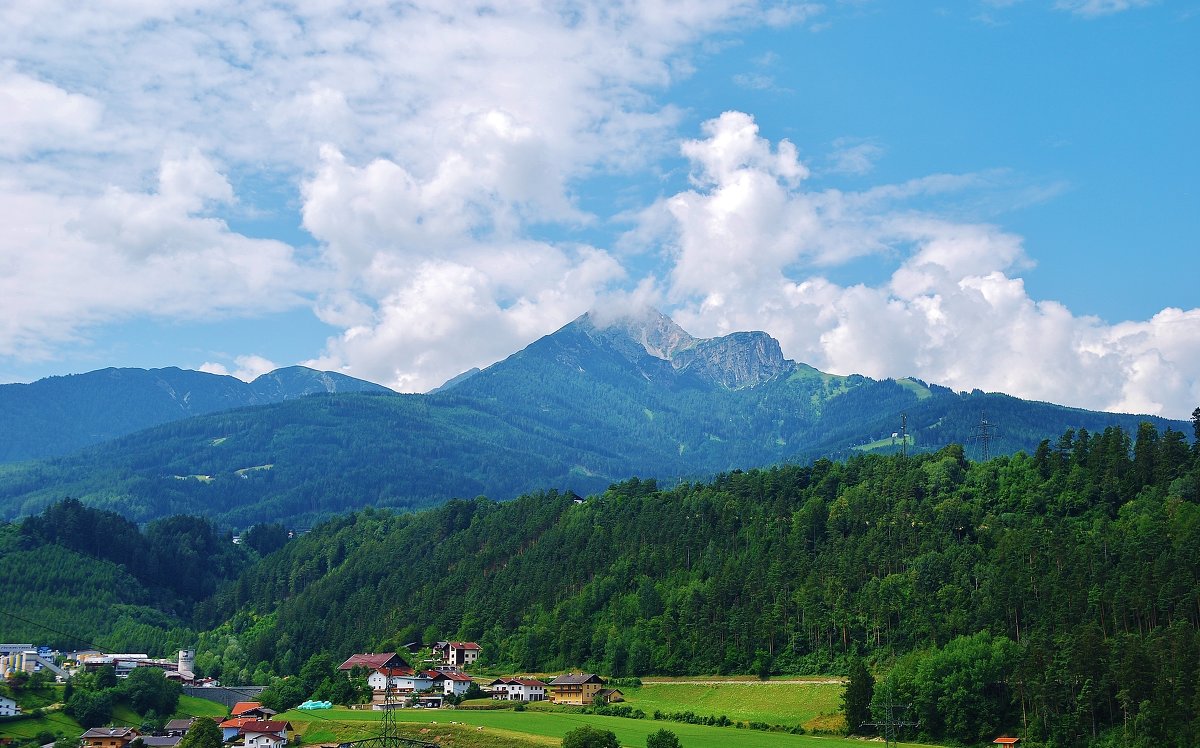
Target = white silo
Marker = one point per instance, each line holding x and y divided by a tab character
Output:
187	660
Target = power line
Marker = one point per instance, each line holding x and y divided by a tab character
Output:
893	722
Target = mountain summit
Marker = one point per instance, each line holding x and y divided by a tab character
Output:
741	359
597	401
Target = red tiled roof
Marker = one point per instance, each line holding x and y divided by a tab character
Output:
237	721
459	677
464	645
244	706
394	671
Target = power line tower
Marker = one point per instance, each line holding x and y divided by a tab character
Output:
389	730
904	434
893	718
983	434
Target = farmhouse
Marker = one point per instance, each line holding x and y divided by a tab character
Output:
575	688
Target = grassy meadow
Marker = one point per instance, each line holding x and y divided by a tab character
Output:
482	729
788	703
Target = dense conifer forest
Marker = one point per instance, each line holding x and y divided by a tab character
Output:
1054	593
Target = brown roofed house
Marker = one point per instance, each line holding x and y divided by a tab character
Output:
108	737
374	661
575	688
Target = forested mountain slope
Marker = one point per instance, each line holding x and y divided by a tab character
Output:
58	415
1056	593
83	578
1064	586
577	410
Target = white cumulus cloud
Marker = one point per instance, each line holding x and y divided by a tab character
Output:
748	244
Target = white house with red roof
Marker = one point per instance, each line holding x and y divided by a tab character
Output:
232	727
388	677
272	732
462	653
518	689
452	684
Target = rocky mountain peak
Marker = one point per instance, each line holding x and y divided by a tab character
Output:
733	361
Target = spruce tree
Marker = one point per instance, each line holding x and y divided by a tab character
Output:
856	699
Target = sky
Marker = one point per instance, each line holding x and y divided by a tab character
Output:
992	194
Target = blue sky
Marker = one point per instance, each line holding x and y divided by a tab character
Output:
981	194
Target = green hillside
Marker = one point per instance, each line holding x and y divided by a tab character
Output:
1064	586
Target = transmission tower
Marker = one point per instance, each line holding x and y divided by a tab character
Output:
904	434
389	731
893	718
983	435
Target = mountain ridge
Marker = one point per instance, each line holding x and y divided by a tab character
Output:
57	415
576	410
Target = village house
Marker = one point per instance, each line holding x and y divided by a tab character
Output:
251	709
108	737
575	688
374	661
161	741
456	654
384	678
265	734
451	684
178	726
414	682
518	689
232	727
8	707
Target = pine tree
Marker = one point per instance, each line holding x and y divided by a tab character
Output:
856	699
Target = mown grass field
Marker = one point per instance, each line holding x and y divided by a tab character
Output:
773	702
539	728
190	706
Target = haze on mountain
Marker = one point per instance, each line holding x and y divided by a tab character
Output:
604	398
59	415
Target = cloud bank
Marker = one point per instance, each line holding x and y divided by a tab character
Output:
436	155
746	248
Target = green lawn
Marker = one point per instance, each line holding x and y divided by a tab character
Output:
341	724
55	723
190	706
750	701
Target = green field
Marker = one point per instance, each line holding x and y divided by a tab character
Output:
341	724
773	702
887	443
190	706
55	723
